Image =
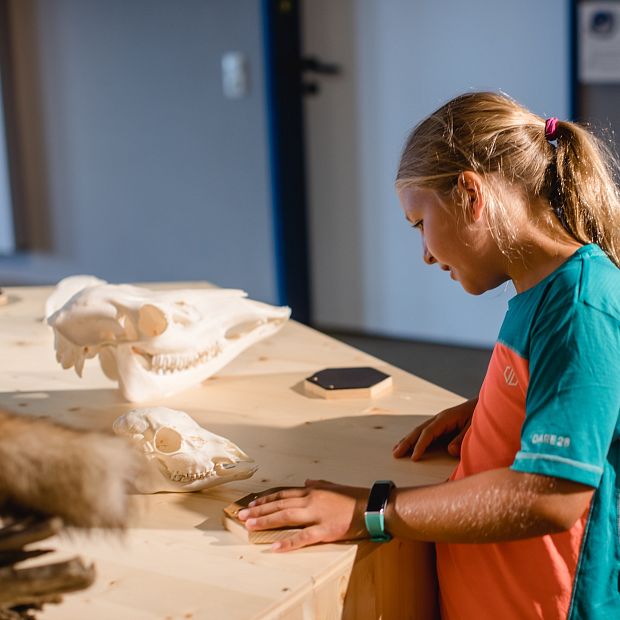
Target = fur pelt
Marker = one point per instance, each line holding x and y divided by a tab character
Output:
80	476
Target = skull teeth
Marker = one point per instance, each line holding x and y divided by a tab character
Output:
165	363
179	476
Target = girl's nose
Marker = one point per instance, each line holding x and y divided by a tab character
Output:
429	259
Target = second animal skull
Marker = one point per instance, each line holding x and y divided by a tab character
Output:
181	455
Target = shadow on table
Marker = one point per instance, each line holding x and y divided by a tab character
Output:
83	409
350	449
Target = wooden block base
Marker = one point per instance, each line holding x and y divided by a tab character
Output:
233	524
336	383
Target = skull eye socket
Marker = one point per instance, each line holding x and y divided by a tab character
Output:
151	321
167	440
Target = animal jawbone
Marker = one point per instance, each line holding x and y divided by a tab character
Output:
180	476
166	363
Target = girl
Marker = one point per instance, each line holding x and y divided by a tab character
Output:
498	193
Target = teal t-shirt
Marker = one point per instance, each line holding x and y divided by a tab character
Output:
568	329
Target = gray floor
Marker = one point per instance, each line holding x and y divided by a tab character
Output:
458	369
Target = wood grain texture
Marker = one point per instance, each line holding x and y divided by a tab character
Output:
177	560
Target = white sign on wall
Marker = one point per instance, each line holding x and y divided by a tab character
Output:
599	42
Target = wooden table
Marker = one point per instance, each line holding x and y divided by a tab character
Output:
177	561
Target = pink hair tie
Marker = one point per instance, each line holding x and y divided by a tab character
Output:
551	128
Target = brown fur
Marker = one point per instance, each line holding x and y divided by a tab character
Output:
82	477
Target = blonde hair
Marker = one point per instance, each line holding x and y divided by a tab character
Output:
494	136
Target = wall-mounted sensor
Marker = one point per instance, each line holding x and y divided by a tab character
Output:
235	75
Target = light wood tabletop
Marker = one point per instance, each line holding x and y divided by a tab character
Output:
177	561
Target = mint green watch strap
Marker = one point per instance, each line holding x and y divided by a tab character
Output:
374	516
375	524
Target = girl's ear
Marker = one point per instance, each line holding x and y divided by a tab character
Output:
470	185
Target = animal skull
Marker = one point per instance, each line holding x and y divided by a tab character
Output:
181	455
157	343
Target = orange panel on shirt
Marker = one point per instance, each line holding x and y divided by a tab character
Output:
494	437
529	571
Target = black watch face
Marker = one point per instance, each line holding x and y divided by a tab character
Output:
379	495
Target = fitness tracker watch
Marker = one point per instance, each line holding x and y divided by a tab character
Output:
375	509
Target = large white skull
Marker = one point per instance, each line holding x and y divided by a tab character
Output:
181	455
157	343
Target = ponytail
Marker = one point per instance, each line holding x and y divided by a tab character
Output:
584	191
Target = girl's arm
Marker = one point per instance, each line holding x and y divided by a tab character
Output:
493	506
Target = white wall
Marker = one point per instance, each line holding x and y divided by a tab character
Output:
135	165
401	60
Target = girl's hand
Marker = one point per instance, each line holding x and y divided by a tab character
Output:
327	512
446	421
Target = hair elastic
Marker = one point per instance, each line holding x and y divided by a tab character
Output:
551	128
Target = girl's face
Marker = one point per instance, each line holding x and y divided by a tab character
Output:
461	245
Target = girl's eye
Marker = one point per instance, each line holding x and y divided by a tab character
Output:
419	225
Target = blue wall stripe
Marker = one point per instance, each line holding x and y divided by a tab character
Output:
274	152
